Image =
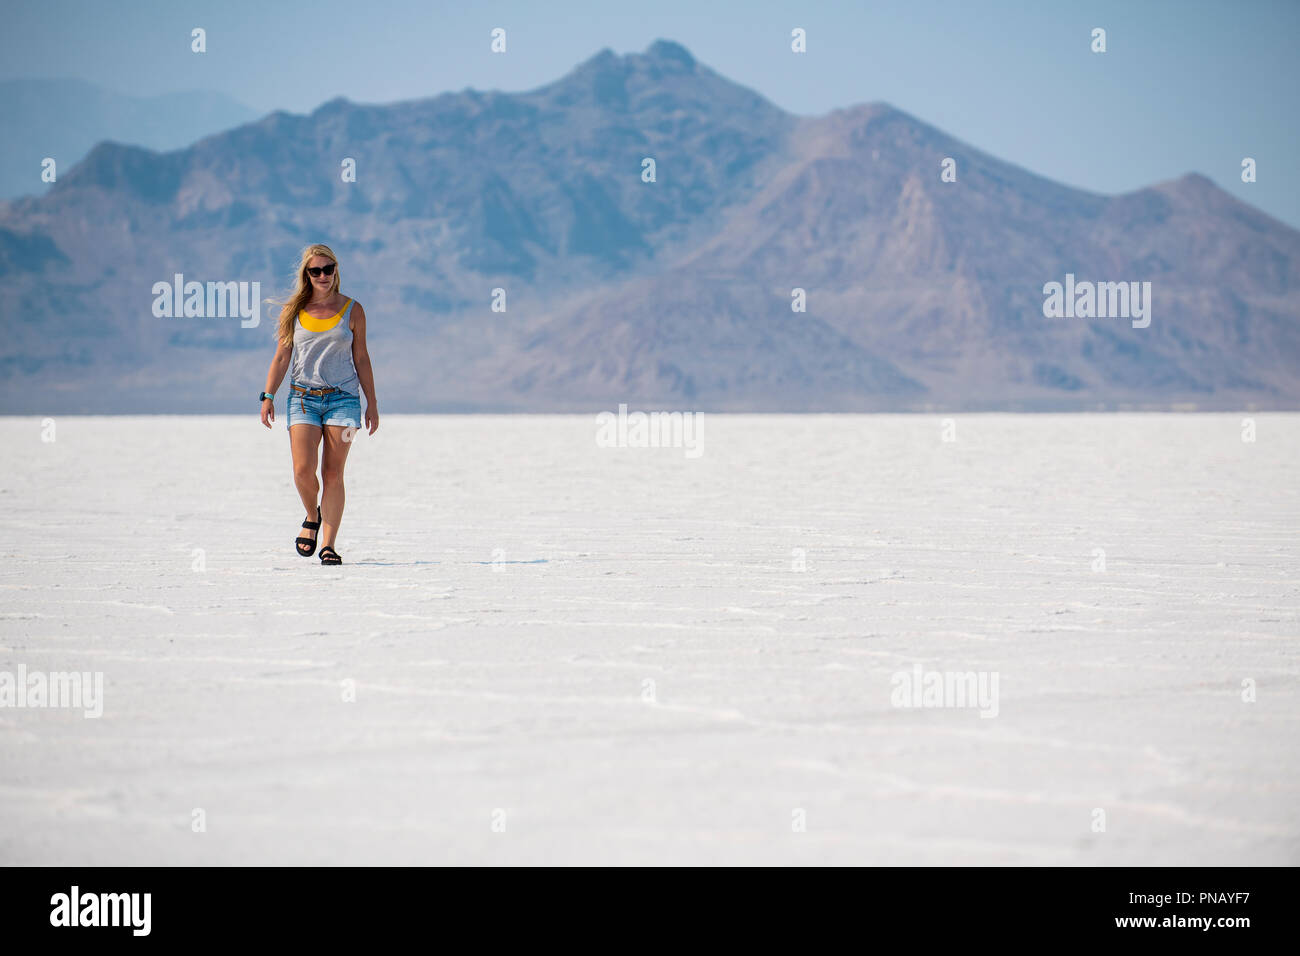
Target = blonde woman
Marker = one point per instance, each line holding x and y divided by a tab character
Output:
322	338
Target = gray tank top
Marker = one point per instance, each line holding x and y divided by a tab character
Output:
322	352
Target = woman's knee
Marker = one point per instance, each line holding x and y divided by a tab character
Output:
331	475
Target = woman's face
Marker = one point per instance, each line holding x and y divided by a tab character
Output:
320	282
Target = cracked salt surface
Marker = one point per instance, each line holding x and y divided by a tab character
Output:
614	647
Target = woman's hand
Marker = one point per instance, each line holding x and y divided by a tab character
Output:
372	419
268	411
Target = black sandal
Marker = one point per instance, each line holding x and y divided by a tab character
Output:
309	542
329	556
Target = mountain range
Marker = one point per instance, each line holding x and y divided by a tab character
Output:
918	293
62	118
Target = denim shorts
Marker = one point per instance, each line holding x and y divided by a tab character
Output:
336	408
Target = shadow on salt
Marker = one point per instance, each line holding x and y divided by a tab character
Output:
409	564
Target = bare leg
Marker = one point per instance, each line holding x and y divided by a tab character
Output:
304	440
333	459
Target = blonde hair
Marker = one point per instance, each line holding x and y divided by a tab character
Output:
302	291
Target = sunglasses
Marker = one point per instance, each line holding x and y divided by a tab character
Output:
318	271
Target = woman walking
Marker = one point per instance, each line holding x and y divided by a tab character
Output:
322	338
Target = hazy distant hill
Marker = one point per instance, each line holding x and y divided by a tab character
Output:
64	118
920	293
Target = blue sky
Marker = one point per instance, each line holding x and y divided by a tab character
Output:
1186	85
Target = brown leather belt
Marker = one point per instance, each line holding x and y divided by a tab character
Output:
313	391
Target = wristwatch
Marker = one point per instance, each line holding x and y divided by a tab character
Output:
263	396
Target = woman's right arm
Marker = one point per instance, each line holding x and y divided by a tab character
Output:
274	376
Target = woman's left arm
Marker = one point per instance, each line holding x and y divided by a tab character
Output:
361	360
